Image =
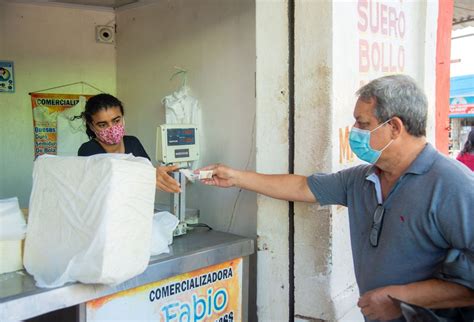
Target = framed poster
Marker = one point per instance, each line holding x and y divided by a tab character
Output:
7	77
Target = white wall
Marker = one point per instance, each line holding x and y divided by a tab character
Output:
216	44
50	46
331	66
214	41
272	157
313	140
462	48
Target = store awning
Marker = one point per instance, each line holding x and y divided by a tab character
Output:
463	15
461	101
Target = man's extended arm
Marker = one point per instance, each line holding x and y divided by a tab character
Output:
280	186
437	294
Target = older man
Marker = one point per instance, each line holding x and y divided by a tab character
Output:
410	209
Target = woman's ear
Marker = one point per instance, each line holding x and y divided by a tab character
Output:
397	127
90	127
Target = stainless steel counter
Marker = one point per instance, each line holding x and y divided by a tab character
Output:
20	299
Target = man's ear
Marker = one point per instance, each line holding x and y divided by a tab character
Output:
397	127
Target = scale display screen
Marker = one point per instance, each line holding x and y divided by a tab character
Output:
181	137
177	143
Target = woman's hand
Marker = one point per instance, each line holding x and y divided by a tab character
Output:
164	181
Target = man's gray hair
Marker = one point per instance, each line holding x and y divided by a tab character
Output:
398	95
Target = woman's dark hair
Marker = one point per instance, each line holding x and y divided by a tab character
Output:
469	145
95	104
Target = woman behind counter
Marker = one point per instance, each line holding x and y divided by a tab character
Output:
104	118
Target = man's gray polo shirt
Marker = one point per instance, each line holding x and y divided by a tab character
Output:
428	226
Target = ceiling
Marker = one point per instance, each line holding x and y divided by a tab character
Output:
95	3
463	9
100	3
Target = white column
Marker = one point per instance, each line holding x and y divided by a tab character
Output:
272	157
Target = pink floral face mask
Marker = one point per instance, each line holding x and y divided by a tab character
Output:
111	135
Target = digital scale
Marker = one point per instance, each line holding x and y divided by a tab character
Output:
178	144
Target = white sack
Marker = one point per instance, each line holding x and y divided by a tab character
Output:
12	221
164	223
90	219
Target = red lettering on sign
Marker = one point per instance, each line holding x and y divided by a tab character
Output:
380	56
401	24
362	9
375	56
382	18
401	59
392	22
363	56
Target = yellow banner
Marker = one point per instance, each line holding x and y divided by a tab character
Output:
213	294
46	108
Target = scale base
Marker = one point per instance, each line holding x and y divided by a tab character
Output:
181	229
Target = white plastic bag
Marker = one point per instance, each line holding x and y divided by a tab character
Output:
12	231
181	108
90	219
12	222
164	223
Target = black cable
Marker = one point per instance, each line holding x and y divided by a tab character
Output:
231	221
200	225
291	157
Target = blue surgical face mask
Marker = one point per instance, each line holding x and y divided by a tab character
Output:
359	140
